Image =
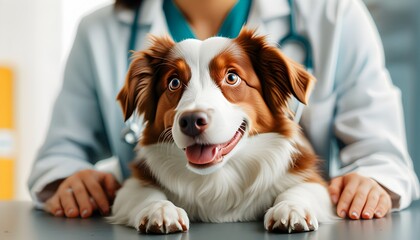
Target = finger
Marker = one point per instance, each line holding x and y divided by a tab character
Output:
97	192
384	205
111	186
335	188
94	205
68	202
82	198
360	199
346	198
53	206
371	203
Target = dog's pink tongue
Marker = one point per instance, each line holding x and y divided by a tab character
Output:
201	154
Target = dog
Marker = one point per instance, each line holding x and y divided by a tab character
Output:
219	143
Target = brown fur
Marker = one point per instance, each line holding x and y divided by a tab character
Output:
274	76
306	164
136	94
140	170
248	94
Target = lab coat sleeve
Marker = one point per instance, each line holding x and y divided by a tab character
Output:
76	137
369	117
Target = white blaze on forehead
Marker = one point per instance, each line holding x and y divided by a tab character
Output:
198	55
211	47
188	50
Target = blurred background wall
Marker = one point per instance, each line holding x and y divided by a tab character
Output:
36	35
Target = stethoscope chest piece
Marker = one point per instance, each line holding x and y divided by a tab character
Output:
130	134
133	128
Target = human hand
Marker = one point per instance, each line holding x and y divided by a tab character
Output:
82	193
359	197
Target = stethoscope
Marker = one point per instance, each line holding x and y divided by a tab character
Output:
133	128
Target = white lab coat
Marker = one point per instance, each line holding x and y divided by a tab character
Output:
354	105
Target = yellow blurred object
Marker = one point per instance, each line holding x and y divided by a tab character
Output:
7	137
6	178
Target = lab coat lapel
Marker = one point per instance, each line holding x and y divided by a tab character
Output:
272	9
263	11
159	26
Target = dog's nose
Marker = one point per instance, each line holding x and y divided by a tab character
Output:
193	123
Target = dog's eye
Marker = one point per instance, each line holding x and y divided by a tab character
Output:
232	79
174	84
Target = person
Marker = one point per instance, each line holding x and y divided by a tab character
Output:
354	119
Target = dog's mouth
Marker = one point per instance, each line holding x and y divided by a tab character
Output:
206	155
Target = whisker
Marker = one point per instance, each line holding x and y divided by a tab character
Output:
166	136
165	143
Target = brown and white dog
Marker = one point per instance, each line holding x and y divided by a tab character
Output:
218	143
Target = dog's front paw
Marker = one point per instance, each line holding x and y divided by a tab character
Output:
290	217
162	217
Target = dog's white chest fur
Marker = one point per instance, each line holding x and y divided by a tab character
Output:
240	191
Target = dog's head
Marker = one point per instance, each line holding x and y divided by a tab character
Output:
206	96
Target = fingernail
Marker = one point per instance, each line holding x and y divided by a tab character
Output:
378	214
366	215
58	213
355	215
70	211
334	199
343	214
84	212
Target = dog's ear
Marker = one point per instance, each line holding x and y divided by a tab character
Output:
280	76
138	91
127	95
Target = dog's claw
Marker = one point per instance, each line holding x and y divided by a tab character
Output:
289	217
163	217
